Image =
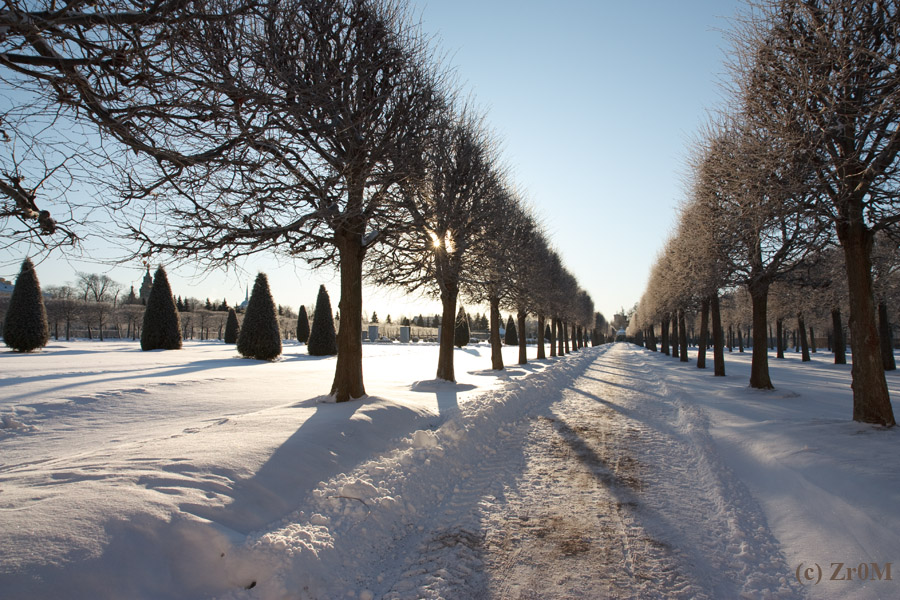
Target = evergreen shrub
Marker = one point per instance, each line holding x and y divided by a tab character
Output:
162	324
260	336
25	327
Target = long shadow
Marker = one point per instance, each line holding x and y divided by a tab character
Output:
133	375
328	442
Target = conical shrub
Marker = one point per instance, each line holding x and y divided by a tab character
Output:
322	337
302	326
461	331
25	328
512	336
162	324
232	329
260	336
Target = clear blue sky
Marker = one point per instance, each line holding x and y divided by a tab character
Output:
595	103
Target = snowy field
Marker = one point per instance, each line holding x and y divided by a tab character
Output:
612	472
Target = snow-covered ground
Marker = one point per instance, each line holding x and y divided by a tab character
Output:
612	472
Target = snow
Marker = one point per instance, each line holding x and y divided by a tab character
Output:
610	472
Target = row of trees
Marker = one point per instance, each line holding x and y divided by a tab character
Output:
324	131
794	188
71	314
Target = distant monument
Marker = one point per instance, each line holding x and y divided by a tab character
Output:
145	287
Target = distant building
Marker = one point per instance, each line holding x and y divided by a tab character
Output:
6	287
243	305
131	298
145	287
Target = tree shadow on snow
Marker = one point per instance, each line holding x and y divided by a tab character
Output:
335	439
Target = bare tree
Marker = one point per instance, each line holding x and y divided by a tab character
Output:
758	195
825	78
99	293
319	111
64	305
450	209
78	69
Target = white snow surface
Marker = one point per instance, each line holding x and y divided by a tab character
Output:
611	472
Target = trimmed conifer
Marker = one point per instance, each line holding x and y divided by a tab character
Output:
302	326
260	336
25	328
547	333
162	323
512	336
232	329
322	337
461	331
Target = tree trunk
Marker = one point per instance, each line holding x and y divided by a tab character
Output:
838	345
664	335
704	334
682	336
542	322
348	374
448	333
651	339
759	363
560	337
574	337
496	342
812	340
674	335
718	336
779	338
804	343
884	334
871	400
554	327
520	317
565	326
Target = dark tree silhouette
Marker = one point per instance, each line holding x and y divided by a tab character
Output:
232	329
162	324
25	328
461	330
322	337
302	326
512	336
260	336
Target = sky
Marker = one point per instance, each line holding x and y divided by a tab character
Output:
595	104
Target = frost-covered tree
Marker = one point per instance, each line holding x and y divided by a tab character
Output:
322	337
25	327
823	77
232	329
162	324
450	208
302	326
260	336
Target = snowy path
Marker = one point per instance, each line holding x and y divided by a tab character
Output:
611	490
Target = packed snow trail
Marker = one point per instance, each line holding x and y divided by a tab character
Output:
602	486
611	491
